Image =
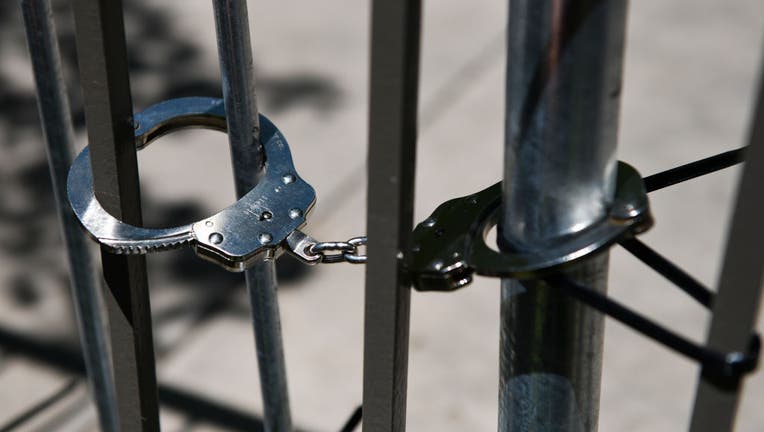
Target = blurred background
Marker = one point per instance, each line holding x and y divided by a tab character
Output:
690	74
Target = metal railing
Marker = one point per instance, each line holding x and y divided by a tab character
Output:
561	181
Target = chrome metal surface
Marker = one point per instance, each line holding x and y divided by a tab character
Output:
563	92
248	234
311	251
298	244
450	244
179	113
355	257
247	157
737	301
343	251
234	237
59	143
563	96
117	236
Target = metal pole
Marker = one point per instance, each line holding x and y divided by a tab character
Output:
736	304
247	157
392	156
102	53
563	87
59	140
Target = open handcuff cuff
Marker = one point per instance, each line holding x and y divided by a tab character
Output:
446	249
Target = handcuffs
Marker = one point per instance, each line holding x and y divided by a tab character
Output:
446	249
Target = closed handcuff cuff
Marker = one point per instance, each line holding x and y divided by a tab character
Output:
260	225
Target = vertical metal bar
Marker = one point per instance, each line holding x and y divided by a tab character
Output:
737	300
392	161
247	157
102	53
59	140
563	87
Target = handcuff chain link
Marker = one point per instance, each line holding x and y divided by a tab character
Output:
339	251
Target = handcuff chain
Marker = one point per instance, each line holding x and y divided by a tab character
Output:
339	251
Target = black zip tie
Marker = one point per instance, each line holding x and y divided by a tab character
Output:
727	366
354	420
694	169
670	271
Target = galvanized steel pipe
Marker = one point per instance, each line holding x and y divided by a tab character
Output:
248	158
563	94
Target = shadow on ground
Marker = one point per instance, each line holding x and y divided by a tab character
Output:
31	254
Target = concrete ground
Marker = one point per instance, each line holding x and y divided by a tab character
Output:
689	80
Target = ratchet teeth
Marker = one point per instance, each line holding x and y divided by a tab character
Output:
146	246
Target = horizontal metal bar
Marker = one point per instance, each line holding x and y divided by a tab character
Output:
694	169
670	271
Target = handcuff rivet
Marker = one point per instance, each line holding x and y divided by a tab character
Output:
295	213
265	238
216	238
288	178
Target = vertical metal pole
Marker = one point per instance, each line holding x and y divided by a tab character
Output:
247	157
392	162
563	87
59	139
102	53
736	304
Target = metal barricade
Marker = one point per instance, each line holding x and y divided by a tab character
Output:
564	201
